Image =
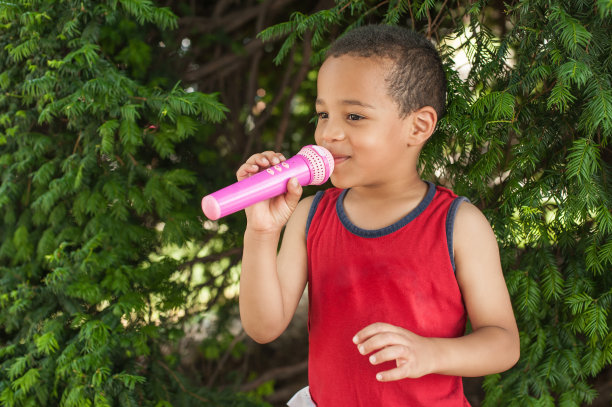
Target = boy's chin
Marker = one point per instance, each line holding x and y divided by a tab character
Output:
339	182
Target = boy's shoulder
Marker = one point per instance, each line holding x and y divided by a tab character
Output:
472	228
466	211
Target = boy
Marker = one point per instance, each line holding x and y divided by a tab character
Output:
393	263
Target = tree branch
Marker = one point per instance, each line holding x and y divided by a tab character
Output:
429	27
275	373
220	8
411	15
231	21
270	107
192	394
225	64
301	75
226	355
211	257
436	23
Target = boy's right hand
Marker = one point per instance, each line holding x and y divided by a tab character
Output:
270	215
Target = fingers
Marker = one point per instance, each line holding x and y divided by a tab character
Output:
375	329
395	353
294	192
388	343
258	162
266	159
401	356
379	341
398	373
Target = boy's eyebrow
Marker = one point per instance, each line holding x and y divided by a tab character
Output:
348	102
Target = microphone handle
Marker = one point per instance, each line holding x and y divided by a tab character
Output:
264	185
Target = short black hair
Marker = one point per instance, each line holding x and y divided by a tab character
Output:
416	78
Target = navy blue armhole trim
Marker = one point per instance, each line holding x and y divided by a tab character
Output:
450	226
313	209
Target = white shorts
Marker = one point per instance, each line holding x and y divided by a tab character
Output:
302	399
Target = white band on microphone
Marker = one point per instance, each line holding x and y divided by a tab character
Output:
317	158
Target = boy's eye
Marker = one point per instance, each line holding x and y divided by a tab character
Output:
322	115
355	117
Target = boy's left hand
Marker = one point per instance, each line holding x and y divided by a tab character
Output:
414	355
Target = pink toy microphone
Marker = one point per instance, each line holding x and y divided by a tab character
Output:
312	165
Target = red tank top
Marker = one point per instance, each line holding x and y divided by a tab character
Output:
402	275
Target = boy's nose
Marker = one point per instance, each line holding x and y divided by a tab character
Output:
332	132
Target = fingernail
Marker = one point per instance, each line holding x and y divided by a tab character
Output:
355	339
372	359
379	377
275	160
361	349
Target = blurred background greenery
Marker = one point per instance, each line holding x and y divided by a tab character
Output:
118	116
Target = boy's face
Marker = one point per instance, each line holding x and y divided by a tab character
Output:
359	122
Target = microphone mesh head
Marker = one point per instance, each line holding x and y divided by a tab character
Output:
320	162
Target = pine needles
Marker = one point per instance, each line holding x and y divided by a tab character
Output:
101	167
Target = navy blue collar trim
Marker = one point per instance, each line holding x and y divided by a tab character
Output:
388	229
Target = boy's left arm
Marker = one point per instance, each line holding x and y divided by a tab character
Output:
493	344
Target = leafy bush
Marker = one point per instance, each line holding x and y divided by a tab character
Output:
104	157
97	178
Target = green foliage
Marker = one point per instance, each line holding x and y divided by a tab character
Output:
104	155
97	178
527	137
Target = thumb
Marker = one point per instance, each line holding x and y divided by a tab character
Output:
294	192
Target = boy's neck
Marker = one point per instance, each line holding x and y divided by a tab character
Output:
406	188
376	207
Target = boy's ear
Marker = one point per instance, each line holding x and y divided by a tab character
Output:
423	125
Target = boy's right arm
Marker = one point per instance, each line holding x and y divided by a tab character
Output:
270	285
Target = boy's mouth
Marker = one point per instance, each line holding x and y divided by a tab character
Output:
340	159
